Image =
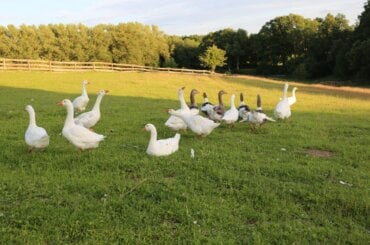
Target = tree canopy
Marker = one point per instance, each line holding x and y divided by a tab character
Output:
213	57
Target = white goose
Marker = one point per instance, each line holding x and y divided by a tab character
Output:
256	117
282	109
292	99
201	126
89	119
163	147
36	137
78	135
81	101
231	115
242	107
176	123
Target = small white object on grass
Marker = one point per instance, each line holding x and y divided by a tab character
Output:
344	183
283	149
192	153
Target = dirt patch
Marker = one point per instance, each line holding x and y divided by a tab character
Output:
319	153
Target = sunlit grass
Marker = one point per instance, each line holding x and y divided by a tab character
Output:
241	187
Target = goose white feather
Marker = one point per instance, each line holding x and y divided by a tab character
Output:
176	123
36	137
89	119
78	135
201	126
231	115
81	101
163	147
282	109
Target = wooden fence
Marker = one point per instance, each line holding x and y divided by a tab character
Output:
44	65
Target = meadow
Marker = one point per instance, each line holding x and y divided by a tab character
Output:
245	185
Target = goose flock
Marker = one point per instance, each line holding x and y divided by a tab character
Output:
78	130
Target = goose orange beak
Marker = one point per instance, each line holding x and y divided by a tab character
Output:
61	103
106	91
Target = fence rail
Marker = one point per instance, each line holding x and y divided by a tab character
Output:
46	65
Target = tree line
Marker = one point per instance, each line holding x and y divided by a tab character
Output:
287	45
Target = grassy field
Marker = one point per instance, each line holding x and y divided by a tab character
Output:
241	187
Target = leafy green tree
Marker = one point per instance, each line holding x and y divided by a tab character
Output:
235	43
359	55
213	57
5	42
285	38
135	43
185	51
48	43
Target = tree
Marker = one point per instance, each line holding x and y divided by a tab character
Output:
359	54
185	51
213	57
235	43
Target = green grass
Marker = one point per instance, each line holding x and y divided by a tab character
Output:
240	187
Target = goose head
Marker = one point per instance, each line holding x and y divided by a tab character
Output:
222	92
149	127
103	92
194	91
29	109
181	91
65	102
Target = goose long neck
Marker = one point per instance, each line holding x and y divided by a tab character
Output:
232	102
205	98
259	103
69	119
220	101
293	92
153	136
285	90
97	103
84	92
192	99
183	104
32	118
242	99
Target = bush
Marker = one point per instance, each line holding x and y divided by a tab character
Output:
170	62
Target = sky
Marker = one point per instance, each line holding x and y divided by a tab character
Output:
174	17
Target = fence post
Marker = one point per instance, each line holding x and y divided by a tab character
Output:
75	64
29	64
3	64
49	65
94	66
111	64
